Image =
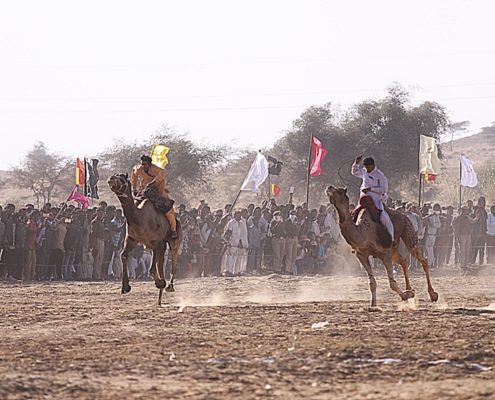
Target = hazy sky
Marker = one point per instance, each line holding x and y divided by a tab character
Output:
78	75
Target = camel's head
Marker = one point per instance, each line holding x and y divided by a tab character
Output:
119	184
337	196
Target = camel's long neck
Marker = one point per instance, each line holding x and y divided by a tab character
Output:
348	228
128	206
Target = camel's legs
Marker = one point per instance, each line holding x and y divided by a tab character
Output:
365	262
152	271
399	259
387	261
174	250
159	269
130	243
156	271
415	252
158	252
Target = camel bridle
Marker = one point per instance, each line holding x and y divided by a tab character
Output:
121	189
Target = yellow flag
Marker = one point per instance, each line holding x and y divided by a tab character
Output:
429	163
159	155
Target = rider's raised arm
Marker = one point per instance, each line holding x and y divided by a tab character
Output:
356	170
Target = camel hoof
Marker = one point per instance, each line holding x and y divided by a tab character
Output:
373	309
126	289
434	297
160	284
170	288
409	294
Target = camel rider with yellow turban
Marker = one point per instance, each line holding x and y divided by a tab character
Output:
149	175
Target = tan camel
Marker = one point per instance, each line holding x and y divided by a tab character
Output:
370	238
149	227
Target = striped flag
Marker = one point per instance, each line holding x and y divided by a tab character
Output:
80	173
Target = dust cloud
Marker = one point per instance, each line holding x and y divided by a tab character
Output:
271	289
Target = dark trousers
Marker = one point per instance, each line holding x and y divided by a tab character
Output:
56	261
464	250
268	253
68	264
478	248
3	266
254	259
11	260
214	262
443	249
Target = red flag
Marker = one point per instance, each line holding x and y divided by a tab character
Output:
319	153
276	189
430	177
80	173
78	198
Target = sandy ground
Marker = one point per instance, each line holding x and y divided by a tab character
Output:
227	338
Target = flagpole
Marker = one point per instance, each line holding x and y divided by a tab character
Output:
269	188
63	206
235	201
460	180
419	169
420	188
85	192
309	170
423	191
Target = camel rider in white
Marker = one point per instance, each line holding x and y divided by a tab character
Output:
375	185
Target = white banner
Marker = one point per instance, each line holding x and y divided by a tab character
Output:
256	175
468	175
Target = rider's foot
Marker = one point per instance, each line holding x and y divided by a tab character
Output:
394	243
174	235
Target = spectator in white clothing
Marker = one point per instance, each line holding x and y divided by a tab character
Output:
237	237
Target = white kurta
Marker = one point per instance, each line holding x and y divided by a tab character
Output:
374	180
237	257
378	183
239	232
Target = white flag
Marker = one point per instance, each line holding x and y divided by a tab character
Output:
256	175
468	175
429	163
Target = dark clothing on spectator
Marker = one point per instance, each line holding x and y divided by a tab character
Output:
479	237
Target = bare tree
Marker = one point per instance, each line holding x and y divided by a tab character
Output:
43	172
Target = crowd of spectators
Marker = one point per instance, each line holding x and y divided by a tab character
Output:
70	243
61	243
461	239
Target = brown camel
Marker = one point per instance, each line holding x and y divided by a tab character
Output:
149	227
370	238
